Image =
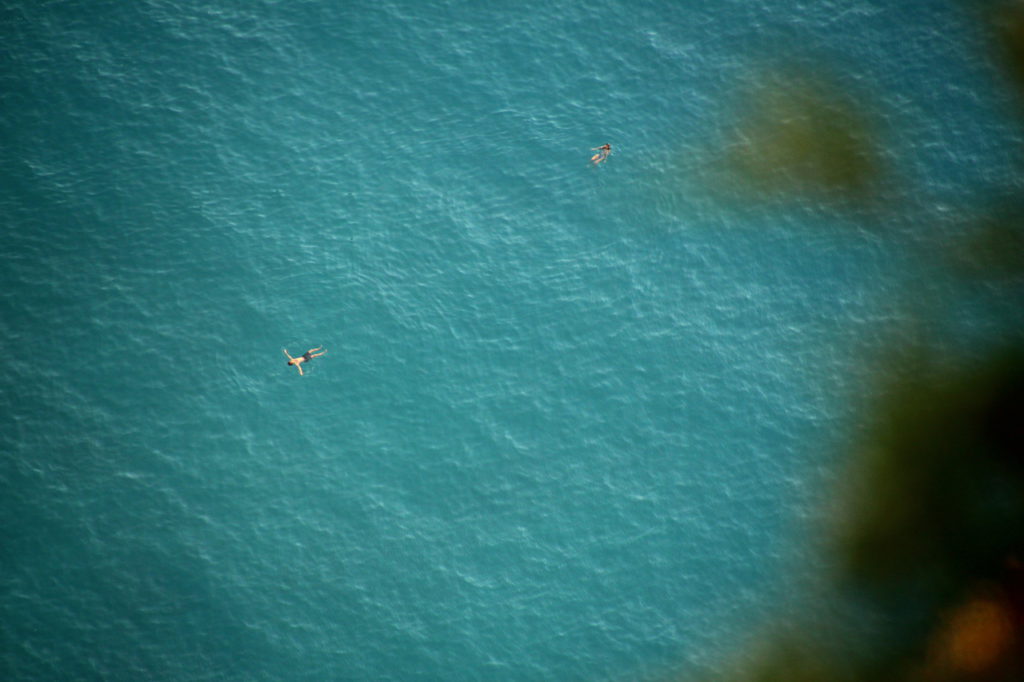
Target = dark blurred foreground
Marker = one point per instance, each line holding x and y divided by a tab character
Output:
927	541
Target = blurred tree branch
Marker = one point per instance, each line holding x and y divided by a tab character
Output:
930	535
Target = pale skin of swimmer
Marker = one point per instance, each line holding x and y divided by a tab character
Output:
305	357
602	153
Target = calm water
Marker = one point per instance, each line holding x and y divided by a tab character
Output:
572	422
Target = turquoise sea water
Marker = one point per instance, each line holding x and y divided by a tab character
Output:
572	423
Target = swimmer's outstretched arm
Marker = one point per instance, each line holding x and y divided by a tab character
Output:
286	354
301	373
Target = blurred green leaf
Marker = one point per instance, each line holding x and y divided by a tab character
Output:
803	135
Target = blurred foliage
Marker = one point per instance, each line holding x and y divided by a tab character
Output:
801	134
927	539
941	478
933	530
994	246
790	658
1007	20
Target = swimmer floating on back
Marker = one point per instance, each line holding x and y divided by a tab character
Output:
305	357
602	153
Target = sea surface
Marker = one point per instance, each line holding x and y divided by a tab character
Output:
573	423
